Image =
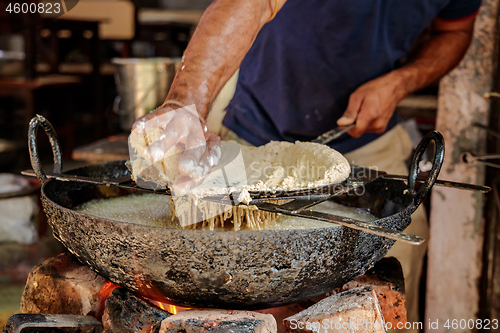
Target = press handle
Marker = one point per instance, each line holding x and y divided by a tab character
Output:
437	162
33	148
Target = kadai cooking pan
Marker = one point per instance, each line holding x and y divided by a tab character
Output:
223	269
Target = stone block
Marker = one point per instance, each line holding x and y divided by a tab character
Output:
62	285
387	280
219	321
355	310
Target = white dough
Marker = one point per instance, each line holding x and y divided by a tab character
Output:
291	166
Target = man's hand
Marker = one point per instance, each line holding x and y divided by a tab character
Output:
182	128
372	105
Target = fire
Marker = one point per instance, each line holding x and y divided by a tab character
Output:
172	309
148	291
106	290
103	294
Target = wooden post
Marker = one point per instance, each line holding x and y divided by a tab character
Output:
456	219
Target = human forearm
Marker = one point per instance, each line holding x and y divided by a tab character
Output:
437	57
223	37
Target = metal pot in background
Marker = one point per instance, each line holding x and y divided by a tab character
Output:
142	86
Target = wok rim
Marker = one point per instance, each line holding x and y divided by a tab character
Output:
408	208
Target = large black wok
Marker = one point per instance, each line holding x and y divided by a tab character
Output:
229	269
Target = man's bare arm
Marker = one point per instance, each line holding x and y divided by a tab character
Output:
447	47
224	35
372	105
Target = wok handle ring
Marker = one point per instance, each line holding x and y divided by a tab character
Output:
437	162
33	148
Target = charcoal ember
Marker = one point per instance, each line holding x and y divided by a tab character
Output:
354	310
125	312
219	321
62	285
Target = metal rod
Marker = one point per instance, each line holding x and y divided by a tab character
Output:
346	222
487	129
469	158
446	183
122	182
492	95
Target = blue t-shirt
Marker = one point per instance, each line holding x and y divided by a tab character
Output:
295	81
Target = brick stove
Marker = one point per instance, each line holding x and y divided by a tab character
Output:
64	294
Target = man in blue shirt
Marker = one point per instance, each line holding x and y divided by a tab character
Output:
318	63
315	65
297	78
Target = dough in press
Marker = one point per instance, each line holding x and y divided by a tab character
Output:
273	167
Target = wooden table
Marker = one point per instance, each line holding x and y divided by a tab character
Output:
112	148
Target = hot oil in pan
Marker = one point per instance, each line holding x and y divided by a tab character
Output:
147	209
155	211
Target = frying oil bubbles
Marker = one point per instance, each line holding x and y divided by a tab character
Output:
155	210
